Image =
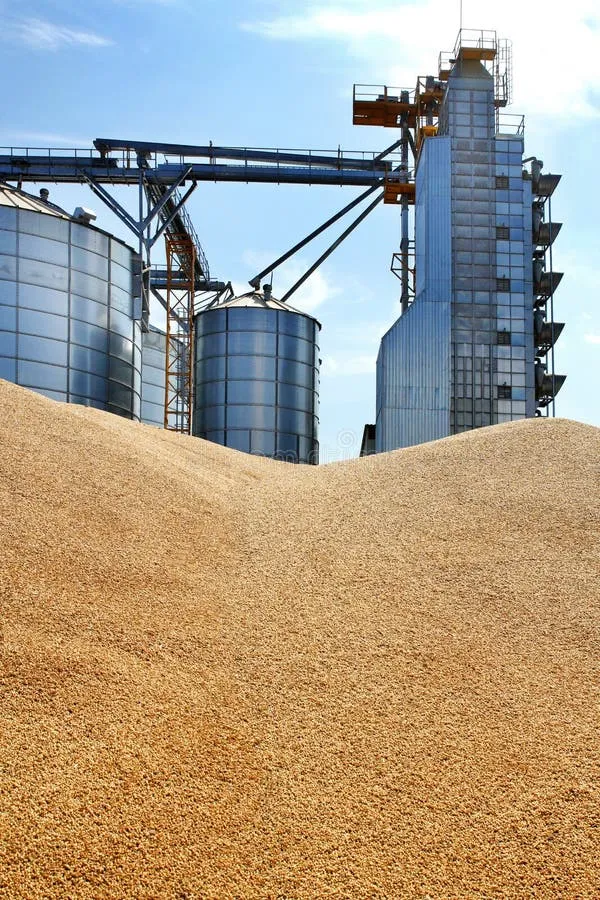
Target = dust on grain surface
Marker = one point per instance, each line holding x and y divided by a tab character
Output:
230	677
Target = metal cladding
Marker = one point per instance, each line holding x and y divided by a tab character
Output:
463	355
67	327
413	364
154	345
256	378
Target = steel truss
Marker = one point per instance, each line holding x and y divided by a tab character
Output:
159	170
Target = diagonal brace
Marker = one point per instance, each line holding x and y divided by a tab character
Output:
175	212
112	204
158	296
255	282
165	198
334	246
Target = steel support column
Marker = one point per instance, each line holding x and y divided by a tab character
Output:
180	312
404	239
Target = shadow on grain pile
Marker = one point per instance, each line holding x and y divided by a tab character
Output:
229	677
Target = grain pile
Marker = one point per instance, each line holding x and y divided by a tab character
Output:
229	677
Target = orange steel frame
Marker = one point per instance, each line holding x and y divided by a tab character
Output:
383	106
181	258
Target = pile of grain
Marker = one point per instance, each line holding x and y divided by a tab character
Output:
229	677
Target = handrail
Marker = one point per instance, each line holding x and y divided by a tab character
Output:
381	92
126	158
510	123
476	38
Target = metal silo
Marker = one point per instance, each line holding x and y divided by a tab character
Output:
154	348
68	327
256	378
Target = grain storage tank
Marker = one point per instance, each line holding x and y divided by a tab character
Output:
68	328
256	378
154	359
154	348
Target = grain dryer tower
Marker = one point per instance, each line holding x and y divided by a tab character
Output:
256	377
68	327
474	345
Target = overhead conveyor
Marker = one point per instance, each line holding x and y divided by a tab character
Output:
165	176
169	162
161	170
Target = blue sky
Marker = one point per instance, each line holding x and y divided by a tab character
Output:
280	74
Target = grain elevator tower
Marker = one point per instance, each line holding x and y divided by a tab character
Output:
475	346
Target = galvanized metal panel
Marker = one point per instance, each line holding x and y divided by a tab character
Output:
255	382
154	343
433	223
413	366
72	339
444	370
413	377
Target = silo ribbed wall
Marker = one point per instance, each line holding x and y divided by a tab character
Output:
67	327
256	381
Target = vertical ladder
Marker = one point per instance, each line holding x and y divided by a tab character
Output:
181	261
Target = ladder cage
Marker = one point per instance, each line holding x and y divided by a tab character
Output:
181	258
503	68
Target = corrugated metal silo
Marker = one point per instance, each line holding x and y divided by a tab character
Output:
256	378
154	348
67	326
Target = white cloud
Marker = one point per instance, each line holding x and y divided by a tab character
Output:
556	57
315	291
43	35
354	348
592	338
319	22
46	139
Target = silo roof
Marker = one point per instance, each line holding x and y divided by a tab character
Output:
10	196
258	300
16	199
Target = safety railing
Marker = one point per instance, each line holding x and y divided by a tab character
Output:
503	74
506	123
445	62
476	39
400	175
51	152
191	231
381	92
128	158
